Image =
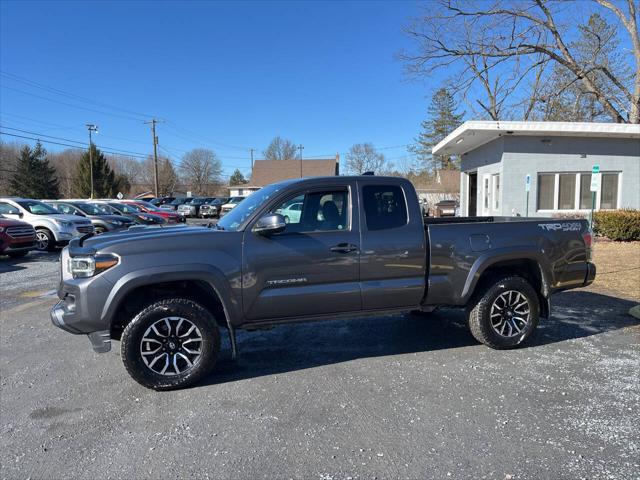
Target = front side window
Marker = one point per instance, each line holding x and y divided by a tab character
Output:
8	209
384	207
323	211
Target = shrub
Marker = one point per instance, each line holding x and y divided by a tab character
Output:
620	225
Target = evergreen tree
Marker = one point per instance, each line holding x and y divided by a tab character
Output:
442	120
104	181
34	176
237	178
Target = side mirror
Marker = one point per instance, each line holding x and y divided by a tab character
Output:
20	214
270	224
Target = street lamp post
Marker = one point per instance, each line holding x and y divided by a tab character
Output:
92	128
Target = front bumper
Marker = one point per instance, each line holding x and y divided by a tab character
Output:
74	313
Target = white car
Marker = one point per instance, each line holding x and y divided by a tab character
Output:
52	227
291	213
227	207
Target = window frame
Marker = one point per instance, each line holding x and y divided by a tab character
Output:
329	189
364	225
578	185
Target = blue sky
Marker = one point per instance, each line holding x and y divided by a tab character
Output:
225	76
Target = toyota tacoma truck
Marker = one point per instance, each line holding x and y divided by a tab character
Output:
360	246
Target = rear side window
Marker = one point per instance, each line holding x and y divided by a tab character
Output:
384	207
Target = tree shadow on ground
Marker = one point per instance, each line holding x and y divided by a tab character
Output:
575	314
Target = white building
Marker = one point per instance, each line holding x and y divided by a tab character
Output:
496	158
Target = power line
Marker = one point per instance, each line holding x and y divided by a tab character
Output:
73	96
69	104
73	141
41	140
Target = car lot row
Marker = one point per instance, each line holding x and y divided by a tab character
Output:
29	224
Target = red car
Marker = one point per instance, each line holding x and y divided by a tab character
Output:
169	216
16	238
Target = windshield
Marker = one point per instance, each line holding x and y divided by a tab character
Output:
127	208
149	206
177	201
232	220
104	208
88	208
37	208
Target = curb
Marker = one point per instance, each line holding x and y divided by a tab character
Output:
635	312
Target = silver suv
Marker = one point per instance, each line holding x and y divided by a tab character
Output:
52	227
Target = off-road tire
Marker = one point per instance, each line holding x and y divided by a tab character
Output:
479	316
170	307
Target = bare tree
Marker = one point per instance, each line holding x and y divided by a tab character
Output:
66	163
201	169
9	154
521	36
363	157
280	149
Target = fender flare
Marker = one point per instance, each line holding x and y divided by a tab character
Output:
167	273
492	257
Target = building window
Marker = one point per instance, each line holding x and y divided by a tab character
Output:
572	191
585	191
567	193
496	191
609	191
546	188
486	193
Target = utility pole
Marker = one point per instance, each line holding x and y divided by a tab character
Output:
92	128
300	147
155	154
252	150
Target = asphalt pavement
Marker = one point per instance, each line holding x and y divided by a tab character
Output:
391	397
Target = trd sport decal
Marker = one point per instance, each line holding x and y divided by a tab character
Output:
564	226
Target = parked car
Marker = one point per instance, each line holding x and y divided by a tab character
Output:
192	209
170	217
16	238
165	294
158	202
102	222
212	208
175	203
52	227
446	208
291	213
130	211
230	205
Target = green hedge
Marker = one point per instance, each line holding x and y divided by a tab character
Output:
621	225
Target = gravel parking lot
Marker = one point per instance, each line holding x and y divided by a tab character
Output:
392	397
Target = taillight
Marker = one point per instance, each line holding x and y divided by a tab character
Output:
588	240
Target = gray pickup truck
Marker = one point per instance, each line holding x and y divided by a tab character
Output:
359	246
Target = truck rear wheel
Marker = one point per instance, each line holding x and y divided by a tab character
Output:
172	343
505	314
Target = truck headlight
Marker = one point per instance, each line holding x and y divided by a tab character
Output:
86	266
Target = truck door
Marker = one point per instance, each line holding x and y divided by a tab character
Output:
393	255
312	267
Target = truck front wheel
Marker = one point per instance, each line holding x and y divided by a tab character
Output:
172	343
505	314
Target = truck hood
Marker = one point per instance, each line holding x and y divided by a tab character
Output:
137	238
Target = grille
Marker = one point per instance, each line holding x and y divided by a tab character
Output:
21	232
85	228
